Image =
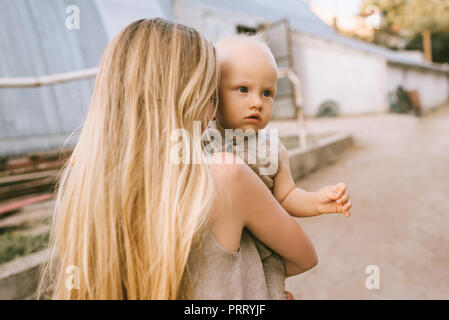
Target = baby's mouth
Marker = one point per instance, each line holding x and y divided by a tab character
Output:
254	116
252	120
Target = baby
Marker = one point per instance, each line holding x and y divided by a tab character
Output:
246	95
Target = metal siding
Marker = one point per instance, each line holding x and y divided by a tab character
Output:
34	41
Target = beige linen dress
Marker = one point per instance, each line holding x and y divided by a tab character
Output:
253	273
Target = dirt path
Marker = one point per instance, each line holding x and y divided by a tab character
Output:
398	178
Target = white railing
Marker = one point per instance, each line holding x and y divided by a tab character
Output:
294	79
48	80
91	73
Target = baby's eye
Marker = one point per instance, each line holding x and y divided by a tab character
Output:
267	93
243	89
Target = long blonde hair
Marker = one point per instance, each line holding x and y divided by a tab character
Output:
126	217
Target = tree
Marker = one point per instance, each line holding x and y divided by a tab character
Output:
414	20
440	46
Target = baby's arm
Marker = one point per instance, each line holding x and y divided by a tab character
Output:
296	201
300	203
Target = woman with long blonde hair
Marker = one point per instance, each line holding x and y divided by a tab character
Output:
131	223
126	216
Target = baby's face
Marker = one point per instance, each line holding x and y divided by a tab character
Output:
247	87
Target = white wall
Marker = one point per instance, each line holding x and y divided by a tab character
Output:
432	86
211	23
330	71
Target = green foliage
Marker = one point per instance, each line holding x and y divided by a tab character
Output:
13	245
392	11
440	46
409	18
412	15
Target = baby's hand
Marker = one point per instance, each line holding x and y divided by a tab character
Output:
288	295
333	199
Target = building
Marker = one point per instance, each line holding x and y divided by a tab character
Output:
354	75
35	41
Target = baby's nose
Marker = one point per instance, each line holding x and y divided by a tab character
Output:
257	104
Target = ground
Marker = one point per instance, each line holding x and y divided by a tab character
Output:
397	176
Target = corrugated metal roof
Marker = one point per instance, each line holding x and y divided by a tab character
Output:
297	12
117	14
34	41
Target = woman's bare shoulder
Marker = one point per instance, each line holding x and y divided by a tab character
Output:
226	166
237	187
226	224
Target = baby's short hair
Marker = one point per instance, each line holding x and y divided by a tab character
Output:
256	38
244	38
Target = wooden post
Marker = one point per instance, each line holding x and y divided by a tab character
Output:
335	23
427	45
294	79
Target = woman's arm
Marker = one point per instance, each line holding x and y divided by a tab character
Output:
262	214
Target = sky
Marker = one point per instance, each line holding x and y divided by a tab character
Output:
341	7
